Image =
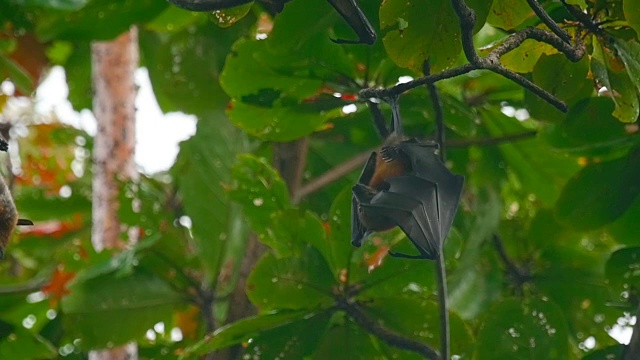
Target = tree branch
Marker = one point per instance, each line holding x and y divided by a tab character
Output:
547	20
354	312
558	38
332	175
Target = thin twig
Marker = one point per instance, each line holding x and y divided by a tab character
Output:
547	20
584	19
332	175
361	318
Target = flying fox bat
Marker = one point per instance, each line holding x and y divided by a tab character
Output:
406	185
8	214
348	9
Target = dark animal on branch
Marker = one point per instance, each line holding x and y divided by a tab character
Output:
406	185
348	9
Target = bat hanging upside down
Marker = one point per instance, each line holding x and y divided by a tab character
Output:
405	184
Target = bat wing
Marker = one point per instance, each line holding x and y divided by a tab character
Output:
427	165
412	203
358	230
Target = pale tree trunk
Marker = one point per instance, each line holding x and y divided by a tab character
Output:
113	66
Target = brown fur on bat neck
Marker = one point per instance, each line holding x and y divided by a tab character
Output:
8	213
390	162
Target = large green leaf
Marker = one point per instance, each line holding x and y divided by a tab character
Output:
507	14
347	341
600	193
516	329
629	52
417	30
114	309
184	67
622	272
262	193
272	330
201	171
98	20
291	283
590	129
23	344
632	13
619	86
540	171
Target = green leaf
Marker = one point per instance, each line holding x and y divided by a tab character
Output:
590	130
631	10
419	320
540	171
524	58
260	190
276	123
22	344
201	170
184	79
348	341
113	309
67	5
339	239
619	87
77	68
572	277
600	193
481	8
432	33
516	329
277	327
507	14
629	52
611	352
626	228
302	282
253	60
289	231
98	20
563	78
623	273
